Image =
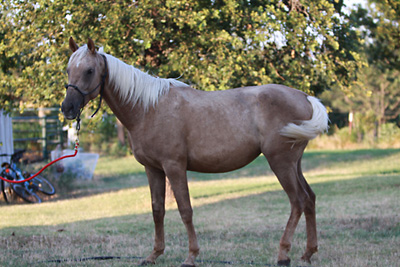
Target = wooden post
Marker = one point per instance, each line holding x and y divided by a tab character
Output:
351	118
42	121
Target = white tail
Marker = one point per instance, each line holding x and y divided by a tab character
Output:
309	129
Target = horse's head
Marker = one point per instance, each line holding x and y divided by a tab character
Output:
87	71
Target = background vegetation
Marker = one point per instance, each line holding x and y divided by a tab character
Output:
213	45
347	57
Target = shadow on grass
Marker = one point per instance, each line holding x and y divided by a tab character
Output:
114	176
315	159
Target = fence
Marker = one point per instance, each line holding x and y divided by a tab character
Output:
39	131
6	136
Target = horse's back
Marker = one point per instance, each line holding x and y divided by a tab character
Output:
265	103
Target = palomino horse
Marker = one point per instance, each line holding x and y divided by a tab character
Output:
174	128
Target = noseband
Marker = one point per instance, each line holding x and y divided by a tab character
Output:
102	83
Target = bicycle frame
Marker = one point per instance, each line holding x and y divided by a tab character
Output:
24	189
47	165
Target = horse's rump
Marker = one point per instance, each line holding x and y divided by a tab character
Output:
308	129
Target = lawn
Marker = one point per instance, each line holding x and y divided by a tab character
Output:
239	216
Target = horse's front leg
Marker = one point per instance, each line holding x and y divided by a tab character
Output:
157	188
178	180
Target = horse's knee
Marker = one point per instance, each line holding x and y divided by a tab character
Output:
158	214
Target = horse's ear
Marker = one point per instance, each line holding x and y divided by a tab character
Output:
72	45
91	46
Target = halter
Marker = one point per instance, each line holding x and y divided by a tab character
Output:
84	94
78	125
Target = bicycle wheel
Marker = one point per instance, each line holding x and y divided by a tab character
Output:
26	194
43	185
8	192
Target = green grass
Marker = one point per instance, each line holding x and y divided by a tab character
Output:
239	216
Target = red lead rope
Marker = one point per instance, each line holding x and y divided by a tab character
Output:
46	166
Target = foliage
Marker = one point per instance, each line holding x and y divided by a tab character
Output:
375	91
99	135
380	80
213	45
374	97
390	135
381	21
362	135
32	57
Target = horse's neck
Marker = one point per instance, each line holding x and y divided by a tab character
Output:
124	111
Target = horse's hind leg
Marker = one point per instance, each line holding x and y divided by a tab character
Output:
284	163
157	188
311	224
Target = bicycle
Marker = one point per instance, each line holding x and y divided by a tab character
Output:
26	190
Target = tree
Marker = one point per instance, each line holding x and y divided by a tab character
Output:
375	95
32	53
381	21
374	98
211	44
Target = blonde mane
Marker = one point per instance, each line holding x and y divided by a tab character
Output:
133	85
136	86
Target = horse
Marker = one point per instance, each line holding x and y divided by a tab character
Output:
174	128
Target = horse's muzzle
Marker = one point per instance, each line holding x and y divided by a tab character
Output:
70	110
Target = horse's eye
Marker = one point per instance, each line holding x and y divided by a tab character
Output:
89	71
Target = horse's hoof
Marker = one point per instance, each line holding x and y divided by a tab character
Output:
306	259
146	262
307	255
284	262
187	265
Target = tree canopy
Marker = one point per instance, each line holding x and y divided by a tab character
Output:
375	95
210	44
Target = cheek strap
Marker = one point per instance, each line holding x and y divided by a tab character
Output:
102	84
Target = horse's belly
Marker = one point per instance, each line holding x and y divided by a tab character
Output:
221	161
222	143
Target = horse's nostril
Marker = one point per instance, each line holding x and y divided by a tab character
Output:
64	107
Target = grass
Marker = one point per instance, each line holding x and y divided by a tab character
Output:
239	216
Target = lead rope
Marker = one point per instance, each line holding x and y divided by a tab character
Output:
78	127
